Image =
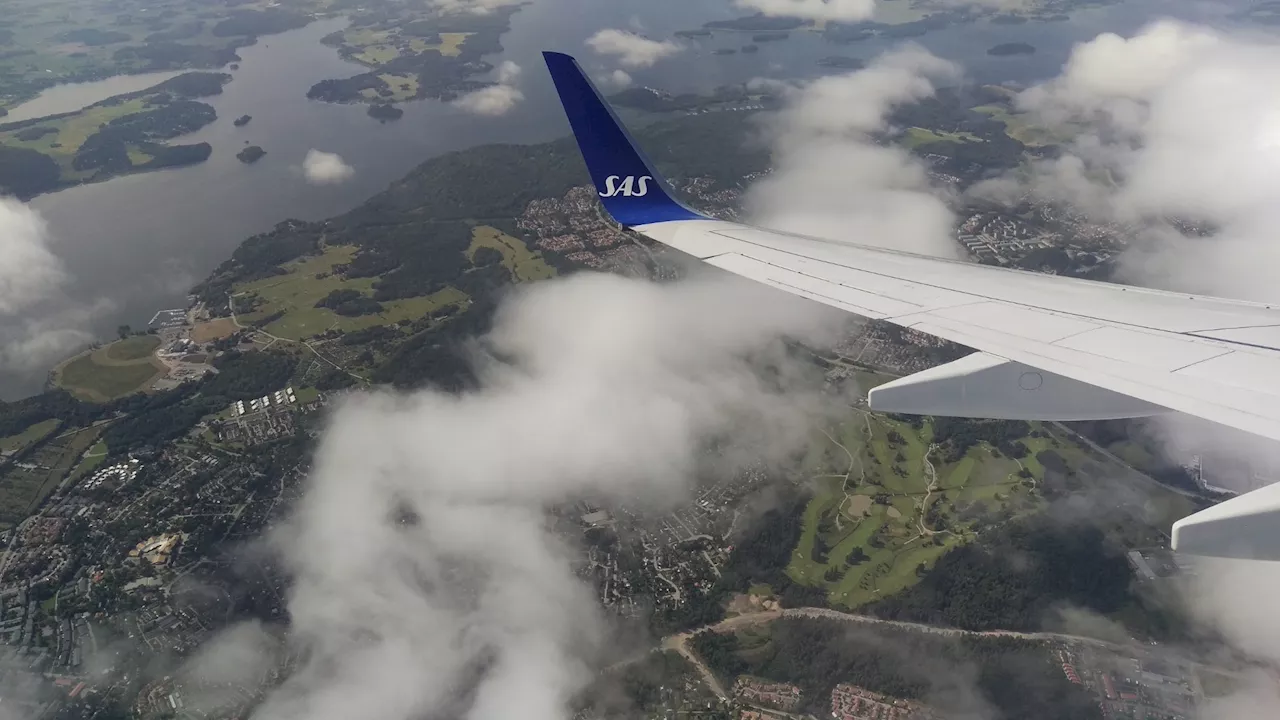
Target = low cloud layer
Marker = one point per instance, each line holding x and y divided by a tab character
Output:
832	179
426	581
39	325
477	7
497	99
631	50
1175	121
29	271
322	168
827	10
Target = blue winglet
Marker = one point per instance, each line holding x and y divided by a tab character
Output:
631	189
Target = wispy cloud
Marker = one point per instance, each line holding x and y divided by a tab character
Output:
632	50
833	10
831	178
496	99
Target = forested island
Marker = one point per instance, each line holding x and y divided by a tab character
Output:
49	153
757	23
242	120
250	155
414	55
384	112
1014	48
842	62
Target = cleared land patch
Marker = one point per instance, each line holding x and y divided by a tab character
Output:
916	137
107	373
213	330
524	264
23	487
307	281
30	436
134	348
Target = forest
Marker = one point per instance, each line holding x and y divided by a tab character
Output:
962	676
1014	576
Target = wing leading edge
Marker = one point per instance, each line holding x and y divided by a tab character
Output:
1050	347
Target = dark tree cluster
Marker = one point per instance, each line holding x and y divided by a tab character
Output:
1012	577
181	31
166	55
244	376
94	36
350	302
959	435
259	22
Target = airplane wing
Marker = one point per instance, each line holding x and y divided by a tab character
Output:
1049	347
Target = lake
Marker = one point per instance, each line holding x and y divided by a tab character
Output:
73	96
140	242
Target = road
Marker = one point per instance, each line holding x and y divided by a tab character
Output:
680	641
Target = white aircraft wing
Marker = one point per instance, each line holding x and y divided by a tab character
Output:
1049	347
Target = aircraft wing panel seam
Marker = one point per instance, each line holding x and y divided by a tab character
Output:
943	288
1201	360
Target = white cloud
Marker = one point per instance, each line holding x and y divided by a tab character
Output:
426	580
496	99
40	323
1178	120
632	51
29	271
478	7
508	72
322	168
619	79
832	179
830	10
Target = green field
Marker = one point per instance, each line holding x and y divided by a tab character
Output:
306	395
310	279
375	48
133	348
121	368
92	459
1019	127
524	264
30	436
403	87
868	529
915	137
24	487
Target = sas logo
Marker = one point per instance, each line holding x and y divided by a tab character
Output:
631	186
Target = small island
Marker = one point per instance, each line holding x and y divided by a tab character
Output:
750	49
842	62
1012	49
758	23
242	120
770	36
250	155
383	112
